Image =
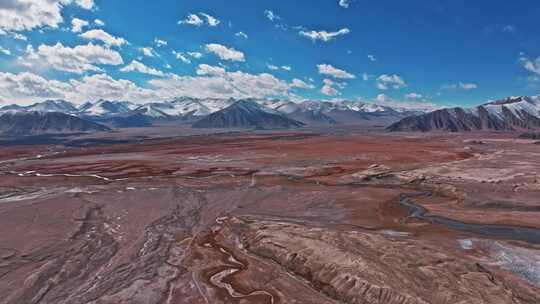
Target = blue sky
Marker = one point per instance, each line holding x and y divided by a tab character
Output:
413	52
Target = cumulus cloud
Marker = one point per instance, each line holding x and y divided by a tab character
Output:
5	51
101	35
216	82
297	83
271	15
414	96
372	58
385	82
182	57
460	85
200	19
103	86
196	55
210	82
160	42
385	100
21	15
344	3
327	69
329	89
323	35
86	4
212	21
79	59
136	66
78	24
225	53
99	22
148	51
205	69
531	65
27	87
275	67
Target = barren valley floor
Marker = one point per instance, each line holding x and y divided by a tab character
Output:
273	217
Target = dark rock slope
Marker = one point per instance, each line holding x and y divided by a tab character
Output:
247	114
515	113
32	123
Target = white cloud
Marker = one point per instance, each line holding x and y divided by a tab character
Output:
344	3
297	83
372	58
192	19
99	22
468	86
385	82
212	21
160	42
136	66
328	88
271	16
205	69
79	59
272	67
460	85
414	96
5	51
181	56
86	4
78	24
21	15
148	51
275	67
385	100
196	55
101	35
531	65
241	35
211	82
225	53
19	36
216	82
326	69
102	86
199	20
27	87
323	35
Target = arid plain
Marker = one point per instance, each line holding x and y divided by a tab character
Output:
273	217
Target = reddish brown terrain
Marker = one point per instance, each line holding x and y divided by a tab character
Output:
273	217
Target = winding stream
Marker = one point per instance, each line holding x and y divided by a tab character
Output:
526	234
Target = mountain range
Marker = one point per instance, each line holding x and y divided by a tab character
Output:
124	114
33	123
509	114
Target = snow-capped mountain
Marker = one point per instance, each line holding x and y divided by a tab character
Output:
513	113
247	114
32	123
106	107
188	109
46	106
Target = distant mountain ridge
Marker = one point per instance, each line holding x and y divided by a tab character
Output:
247	114
189	110
34	123
513	113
